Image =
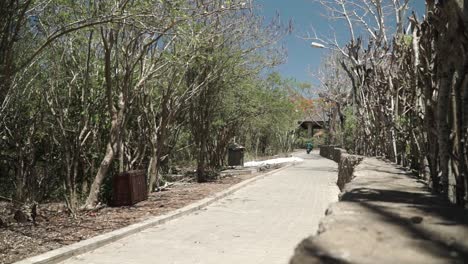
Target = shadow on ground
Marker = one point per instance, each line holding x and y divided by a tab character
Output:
424	203
384	215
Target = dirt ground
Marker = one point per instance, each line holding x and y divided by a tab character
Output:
55	227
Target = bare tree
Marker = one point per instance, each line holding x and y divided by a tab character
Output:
407	86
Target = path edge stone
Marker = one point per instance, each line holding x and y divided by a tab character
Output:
87	245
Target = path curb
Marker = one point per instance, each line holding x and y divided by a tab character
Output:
63	253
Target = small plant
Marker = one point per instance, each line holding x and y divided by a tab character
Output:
349	132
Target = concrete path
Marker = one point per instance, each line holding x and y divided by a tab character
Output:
386	215
261	223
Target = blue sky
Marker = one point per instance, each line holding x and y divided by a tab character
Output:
305	14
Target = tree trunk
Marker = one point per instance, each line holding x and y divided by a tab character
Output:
201	159
458	139
22	172
111	151
93	196
113	145
70	180
464	147
20	181
443	129
153	171
158	142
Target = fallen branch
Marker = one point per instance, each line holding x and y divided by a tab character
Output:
6	199
164	187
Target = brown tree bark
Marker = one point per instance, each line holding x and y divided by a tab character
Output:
112	147
464	136
443	128
117	117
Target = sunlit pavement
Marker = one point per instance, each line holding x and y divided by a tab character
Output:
261	223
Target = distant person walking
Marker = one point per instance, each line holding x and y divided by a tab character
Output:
309	147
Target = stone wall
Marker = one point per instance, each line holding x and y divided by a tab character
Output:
385	215
325	151
346	162
346	167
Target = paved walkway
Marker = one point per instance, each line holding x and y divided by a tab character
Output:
386	215
261	223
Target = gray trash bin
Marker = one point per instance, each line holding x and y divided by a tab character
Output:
236	155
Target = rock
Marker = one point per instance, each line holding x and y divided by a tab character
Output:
416	219
26	213
34	212
20	216
346	167
321	228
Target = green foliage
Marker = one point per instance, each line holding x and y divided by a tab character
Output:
105	192
271	128
406	40
301	141
350	129
183	74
